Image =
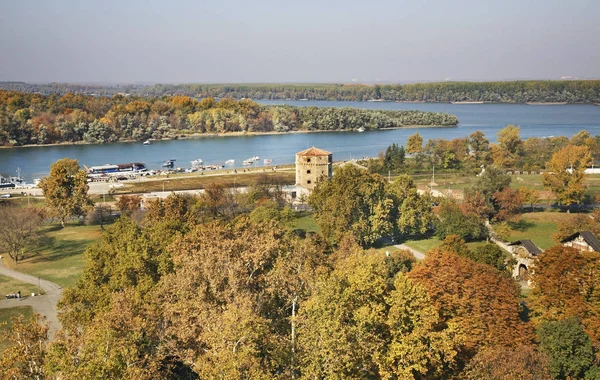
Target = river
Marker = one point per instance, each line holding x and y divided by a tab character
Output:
535	121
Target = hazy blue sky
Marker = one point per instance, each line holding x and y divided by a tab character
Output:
297	41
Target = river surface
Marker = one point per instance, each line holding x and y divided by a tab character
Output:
535	121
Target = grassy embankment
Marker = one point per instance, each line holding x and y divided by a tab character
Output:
59	256
5	321
193	182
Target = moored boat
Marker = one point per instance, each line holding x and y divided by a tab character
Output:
169	163
267	161
147	142
229	162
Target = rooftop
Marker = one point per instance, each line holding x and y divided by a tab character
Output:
589	238
313	152
529	246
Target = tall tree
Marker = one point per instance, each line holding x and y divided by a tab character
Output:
66	190
414	144
565	173
567	284
19	227
475	299
354	202
511	145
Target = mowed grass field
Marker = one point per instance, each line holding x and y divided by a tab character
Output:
59	257
5	321
538	227
9	285
189	182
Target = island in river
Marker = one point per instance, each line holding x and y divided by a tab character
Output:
35	119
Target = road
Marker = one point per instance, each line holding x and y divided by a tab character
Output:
417	254
44	305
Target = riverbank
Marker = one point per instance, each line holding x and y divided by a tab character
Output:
226	134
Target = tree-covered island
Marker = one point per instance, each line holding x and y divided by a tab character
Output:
48	119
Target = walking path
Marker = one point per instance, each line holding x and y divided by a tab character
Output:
418	255
44	305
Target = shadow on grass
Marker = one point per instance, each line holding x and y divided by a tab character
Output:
52	249
521	226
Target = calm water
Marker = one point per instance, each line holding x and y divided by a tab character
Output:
535	121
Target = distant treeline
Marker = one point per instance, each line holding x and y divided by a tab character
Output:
27	118
571	91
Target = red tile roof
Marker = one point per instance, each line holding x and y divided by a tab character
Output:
313	152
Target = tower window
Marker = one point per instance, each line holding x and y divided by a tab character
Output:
308	160
308	172
308	182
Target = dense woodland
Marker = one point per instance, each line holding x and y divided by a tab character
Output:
27	118
571	91
222	286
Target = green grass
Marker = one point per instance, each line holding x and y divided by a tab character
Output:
5	321
195	181
9	285
305	221
538	227
423	245
59	257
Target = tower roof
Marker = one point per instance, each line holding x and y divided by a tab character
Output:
313	152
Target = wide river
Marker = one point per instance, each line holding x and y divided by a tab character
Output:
535	121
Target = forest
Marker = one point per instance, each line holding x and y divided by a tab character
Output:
27	118
222	285
570	91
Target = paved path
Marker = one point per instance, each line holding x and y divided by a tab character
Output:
44	305
418	255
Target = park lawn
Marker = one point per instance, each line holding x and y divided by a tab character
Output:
10	285
59	257
424	245
304	221
189	182
538	227
5	321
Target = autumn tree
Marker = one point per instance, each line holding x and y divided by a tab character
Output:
25	356
564	174
567	285
66	190
354	202
480	304
128	204
19	228
509	203
510	149
509	363
479	146
218	291
414	144
363	321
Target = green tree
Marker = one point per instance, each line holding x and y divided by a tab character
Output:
354	202
565	174
452	220
66	190
568	346
412	212
479	146
511	146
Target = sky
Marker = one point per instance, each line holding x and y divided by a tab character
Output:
304	41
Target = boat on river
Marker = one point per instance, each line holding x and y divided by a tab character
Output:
147	142
267	161
196	163
229	162
169	163
109	170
